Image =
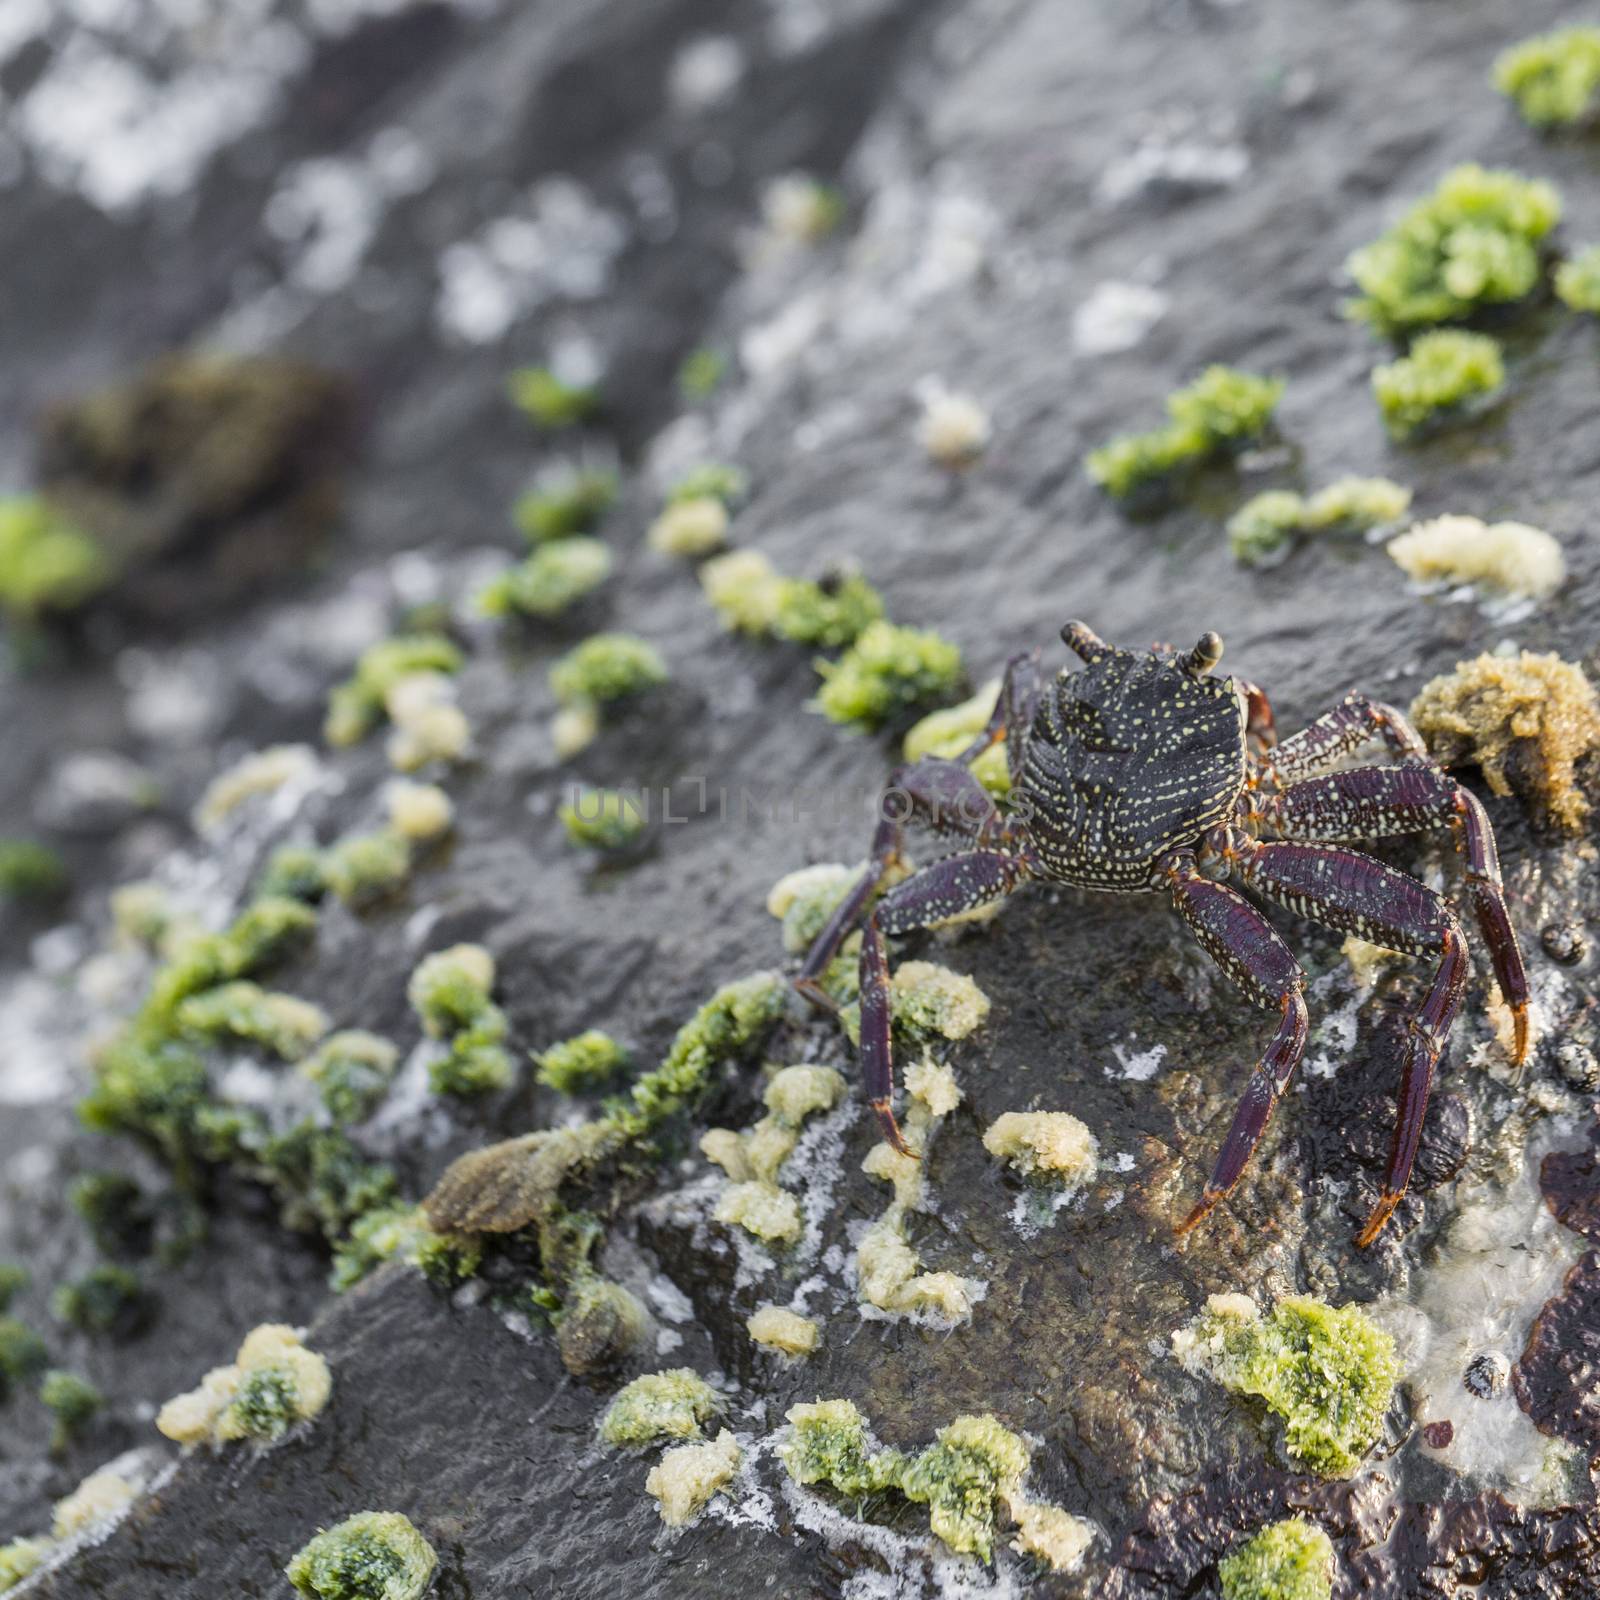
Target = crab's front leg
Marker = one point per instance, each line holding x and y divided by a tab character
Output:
1356	721
947	889
1353	893
1376	802
1242	942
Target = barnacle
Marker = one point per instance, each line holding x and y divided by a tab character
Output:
1473	242
1326	1373
660	1405
419	812
100	1498
1445	372
888	673
1288	1560
20	1558
376	1555
1527	720
954	429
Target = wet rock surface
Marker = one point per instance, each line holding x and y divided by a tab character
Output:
1065	209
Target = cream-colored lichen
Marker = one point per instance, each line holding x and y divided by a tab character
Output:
274	1383
428	724
1508	558
691	527
745	590
785	1331
724	1147
932	1085
1055	1143
796	1093
261	772
101	1497
1526	720
574	728
421	812
660	1405
685	1479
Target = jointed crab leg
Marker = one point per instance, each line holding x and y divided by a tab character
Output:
1013	713
1375	802
1241	941
1355	721
1354	893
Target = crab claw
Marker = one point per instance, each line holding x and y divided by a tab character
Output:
891	1129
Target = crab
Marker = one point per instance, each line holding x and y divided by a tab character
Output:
1144	773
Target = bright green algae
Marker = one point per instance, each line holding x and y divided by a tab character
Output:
1289	1560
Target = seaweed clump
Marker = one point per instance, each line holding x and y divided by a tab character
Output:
694	522
1527	721
550	401
1474	242
685	1479
552	580
1507	558
951	732
971	1474
889	673
1447	374
660	1405
582	1064
450	992
1554	78
604	819
362	701
568	502
1326	1373
1265	528
1288	1560
48	566
273	1383
31	871
375	1555
72	1401
1578	281
1223	410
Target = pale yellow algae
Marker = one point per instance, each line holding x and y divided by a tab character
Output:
420	812
1508	558
761	1208
101	1497
784	1331
947	733
428	724
933	999
574	728
803	901
692	527
261	772
685	1479
954	429
1052	1143
1054	1536
274	1383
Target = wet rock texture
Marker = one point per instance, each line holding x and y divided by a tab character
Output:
438	192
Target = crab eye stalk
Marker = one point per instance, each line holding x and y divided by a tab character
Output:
1083	642
1205	655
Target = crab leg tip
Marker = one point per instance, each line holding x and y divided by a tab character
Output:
891	1129
1380	1216
1202	1210
1520	1040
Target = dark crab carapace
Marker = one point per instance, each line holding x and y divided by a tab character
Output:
1143	773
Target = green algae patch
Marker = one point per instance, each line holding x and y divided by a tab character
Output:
685	1480
72	1401
48	566
1263	531
31	871
14	1278
358	705
1474	242
1326	1373
1553	78
829	613
1223	410
548	401
569	502
581	1064
889	673
352	1071
554	578
376	1555
1288	1560
948	733
604	819
23	1354
970	1478
243	1012
450	992
1447	374
660	1405
21	1558
363	869
402	1233
607	667
1578	281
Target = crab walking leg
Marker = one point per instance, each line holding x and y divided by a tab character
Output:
1353	893
1241	941
1260	725
949	888
943	797
1014	708
1354	722
1375	802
